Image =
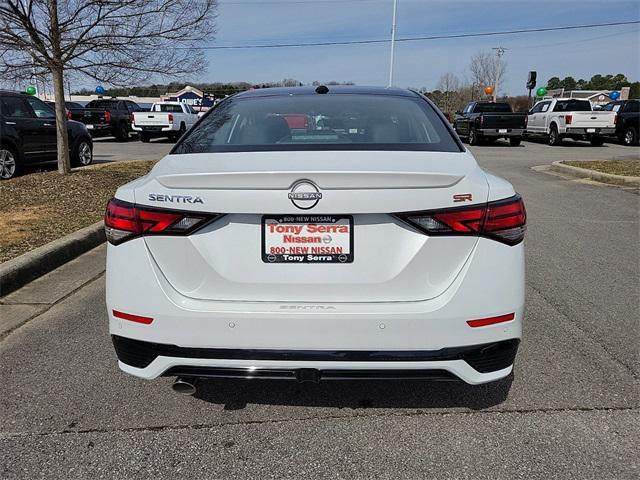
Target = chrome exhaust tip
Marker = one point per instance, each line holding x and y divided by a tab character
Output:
185	385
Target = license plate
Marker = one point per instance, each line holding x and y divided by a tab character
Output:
591	130
502	130
307	239
89	126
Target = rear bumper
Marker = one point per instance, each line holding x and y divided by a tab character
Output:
583	131
98	128
425	335
495	132
153	130
474	363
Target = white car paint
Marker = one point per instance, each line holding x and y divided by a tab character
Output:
404	291
182	116
543	117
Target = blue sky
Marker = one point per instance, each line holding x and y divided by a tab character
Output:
580	53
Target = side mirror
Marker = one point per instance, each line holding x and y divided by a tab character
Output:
457	112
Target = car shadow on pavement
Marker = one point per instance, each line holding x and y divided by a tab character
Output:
567	142
236	394
132	138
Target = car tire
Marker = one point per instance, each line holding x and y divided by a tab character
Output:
473	137
515	141
596	141
630	137
554	137
122	132
82	154
8	162
144	138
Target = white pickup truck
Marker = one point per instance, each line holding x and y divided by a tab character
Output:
570	118
166	119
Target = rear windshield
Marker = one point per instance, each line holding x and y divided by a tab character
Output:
102	104
572	106
611	107
320	122
167	108
493	107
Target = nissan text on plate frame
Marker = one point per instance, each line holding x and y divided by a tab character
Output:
302	234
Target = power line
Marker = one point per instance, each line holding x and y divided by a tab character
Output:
413	39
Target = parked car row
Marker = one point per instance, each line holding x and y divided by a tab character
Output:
28	127
119	118
554	119
106	117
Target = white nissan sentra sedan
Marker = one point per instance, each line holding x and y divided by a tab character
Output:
317	233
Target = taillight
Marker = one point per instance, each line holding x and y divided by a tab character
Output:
568	119
107	117
481	120
69	115
615	119
503	220
171	118
526	120
131	118
124	221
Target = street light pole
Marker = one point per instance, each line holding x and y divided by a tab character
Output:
393	41
499	52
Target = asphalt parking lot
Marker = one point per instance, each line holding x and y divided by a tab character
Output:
570	411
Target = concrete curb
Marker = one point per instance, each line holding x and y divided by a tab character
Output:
598	176
23	269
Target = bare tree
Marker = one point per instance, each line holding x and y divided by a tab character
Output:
449	84
111	41
487	70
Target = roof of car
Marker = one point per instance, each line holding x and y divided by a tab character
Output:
333	89
12	92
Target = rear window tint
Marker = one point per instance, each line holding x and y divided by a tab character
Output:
103	104
167	108
493	108
320	122
572	106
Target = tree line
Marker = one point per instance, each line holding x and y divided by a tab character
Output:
452	93
597	82
216	89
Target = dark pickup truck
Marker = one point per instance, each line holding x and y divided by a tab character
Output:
627	120
489	121
106	117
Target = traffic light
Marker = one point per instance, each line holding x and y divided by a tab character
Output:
531	80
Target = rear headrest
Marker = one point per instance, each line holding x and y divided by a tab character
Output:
383	131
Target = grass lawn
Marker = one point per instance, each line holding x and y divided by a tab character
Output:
629	168
40	207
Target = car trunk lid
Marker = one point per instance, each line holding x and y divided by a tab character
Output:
391	261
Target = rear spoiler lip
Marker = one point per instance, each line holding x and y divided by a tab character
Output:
326	180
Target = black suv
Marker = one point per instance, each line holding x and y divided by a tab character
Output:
28	135
628	121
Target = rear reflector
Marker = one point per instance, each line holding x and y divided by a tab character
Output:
483	322
125	221
132	318
503	220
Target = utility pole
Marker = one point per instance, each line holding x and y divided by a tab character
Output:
393	41
499	52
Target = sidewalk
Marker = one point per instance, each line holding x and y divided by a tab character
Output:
38	296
